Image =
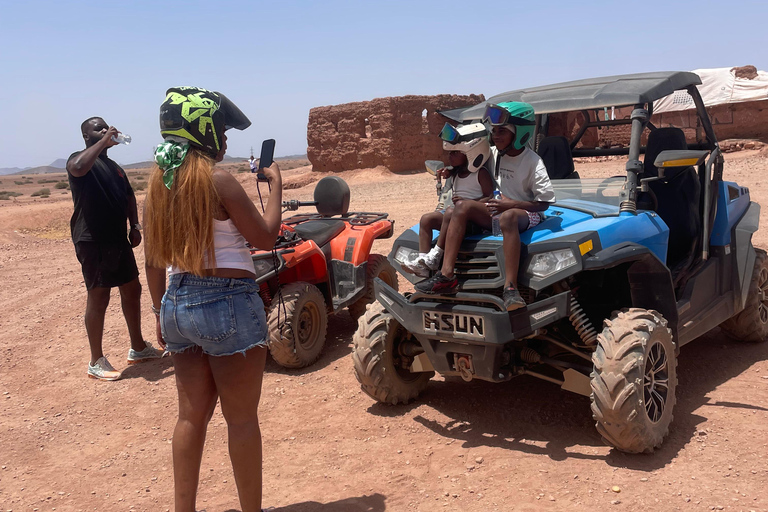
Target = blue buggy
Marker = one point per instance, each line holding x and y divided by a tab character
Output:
621	273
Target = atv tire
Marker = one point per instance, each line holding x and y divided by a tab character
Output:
378	363
303	322
634	380
751	324
378	266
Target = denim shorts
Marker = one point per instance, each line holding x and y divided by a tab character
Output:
222	316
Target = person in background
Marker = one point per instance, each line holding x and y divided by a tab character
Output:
253	163
211	317
104	201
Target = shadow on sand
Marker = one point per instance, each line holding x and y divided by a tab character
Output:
372	503
152	371
536	417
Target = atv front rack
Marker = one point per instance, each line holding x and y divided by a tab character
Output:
353	218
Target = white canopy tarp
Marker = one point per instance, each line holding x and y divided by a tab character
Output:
718	86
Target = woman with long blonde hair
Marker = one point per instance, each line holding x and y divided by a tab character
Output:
211	319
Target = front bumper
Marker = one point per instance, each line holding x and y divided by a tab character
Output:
451	327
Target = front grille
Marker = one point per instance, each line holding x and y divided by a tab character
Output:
478	270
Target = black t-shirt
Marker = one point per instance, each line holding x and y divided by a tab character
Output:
101	202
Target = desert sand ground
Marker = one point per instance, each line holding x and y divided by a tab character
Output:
68	443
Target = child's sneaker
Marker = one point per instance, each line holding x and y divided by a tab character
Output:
414	266
439	284
150	352
102	370
431	260
512	299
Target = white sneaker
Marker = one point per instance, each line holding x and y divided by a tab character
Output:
432	259
415	266
102	370
150	352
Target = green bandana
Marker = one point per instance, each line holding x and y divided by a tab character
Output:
169	156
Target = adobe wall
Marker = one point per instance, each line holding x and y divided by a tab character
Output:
747	120
385	131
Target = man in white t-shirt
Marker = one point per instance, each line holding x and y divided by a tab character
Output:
526	191
253	163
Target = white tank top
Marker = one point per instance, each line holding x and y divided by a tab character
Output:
229	248
469	187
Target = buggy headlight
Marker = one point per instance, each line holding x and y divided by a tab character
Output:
405	254
547	263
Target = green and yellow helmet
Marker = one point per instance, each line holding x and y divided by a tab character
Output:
516	116
200	116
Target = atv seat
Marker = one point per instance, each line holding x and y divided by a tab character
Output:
320	231
678	197
557	157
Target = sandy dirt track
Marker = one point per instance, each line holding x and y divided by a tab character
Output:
69	443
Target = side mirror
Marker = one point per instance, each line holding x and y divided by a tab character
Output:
433	166
680	158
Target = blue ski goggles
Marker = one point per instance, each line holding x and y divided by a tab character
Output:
450	134
499	116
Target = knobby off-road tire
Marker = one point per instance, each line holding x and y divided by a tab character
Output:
305	320
377	362
378	266
634	380
751	324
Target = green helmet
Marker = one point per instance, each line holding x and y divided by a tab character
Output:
517	116
200	116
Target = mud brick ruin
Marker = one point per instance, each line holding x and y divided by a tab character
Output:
399	132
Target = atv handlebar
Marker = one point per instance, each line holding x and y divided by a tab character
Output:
294	204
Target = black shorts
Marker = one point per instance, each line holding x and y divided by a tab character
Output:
106	264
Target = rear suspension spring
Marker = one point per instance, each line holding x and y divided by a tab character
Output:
529	355
582	324
265	294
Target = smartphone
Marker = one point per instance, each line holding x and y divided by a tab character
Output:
266	158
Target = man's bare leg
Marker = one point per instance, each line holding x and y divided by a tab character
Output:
95	309
130	300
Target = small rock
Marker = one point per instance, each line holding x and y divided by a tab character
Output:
616	488
479	460
643	479
615	502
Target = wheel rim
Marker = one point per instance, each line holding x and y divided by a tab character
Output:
308	326
656	385
762	295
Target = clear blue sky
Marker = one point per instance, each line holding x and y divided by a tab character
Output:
63	61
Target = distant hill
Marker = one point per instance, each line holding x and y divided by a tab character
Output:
60	164
11	170
43	169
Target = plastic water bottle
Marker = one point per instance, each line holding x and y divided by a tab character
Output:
496	219
122	138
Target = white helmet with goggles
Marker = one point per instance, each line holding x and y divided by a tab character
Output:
470	139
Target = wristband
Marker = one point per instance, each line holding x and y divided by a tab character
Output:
155	310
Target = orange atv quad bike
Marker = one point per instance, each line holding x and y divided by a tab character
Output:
321	264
